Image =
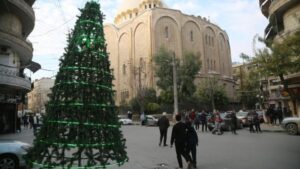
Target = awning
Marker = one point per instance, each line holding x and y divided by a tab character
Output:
33	66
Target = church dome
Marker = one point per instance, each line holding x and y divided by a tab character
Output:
129	5
135	6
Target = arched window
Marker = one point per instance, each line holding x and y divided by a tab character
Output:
192	36
206	39
214	65
167	32
212	41
124	69
209	40
150	6
154	5
145	6
208	64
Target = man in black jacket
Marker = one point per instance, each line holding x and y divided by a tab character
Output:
192	142
163	124
179	136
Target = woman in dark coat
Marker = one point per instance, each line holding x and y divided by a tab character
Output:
233	123
192	142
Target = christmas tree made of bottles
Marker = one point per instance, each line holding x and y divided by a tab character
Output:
81	129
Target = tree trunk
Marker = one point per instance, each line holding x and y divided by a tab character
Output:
290	92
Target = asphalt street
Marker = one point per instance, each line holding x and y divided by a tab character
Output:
268	150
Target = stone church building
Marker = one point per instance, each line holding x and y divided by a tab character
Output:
142	27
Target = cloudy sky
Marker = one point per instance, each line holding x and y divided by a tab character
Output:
241	19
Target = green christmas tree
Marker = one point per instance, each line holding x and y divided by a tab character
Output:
81	128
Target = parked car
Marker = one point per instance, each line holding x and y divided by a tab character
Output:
226	123
260	116
11	154
292	125
243	117
124	120
150	120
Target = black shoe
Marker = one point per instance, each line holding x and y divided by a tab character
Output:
159	144
190	166
165	145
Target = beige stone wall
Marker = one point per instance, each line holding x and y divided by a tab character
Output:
10	23
132	45
291	19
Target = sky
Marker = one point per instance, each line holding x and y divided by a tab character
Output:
241	19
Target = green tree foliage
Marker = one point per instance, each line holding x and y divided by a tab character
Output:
150	102
164	69
251	88
187	69
208	90
81	129
280	59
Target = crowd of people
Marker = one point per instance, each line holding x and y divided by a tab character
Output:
184	133
29	121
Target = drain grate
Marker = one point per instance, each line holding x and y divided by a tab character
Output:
161	166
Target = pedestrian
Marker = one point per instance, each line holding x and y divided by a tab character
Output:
192	116
31	121
25	121
279	114
272	115
218	120
197	120
179	136
251	122
233	123
163	124
35	123
256	122
203	119
142	117
192	143
129	115
18	124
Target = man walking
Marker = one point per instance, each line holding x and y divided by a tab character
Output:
233	123
163	124
192	143
179	136
203	119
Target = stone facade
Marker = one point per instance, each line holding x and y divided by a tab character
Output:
284	16
38	97
141	28
17	20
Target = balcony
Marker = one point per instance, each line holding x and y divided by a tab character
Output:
10	77
264	6
281	6
22	10
21	46
30	2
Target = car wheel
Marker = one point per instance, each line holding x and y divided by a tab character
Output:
292	129
8	162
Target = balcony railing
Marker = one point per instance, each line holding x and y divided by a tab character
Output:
19	44
12	77
25	12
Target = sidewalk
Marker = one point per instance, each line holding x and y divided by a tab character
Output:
271	128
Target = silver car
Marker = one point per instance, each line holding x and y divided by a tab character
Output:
292	125
11	154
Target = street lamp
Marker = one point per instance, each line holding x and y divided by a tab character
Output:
212	90
175	85
260	99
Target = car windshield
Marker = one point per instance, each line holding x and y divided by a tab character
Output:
242	113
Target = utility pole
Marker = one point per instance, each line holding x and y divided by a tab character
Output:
175	85
212	94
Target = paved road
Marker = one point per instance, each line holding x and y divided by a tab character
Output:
243	151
